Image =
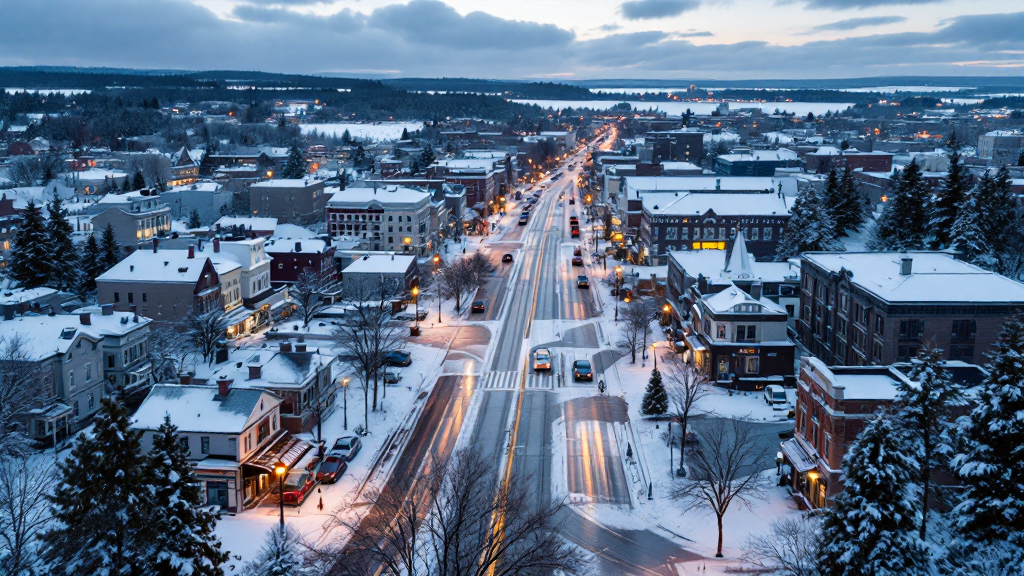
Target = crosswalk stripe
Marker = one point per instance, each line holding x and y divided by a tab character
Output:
500	380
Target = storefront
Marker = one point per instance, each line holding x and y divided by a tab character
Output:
809	480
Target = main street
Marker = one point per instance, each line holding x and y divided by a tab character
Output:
516	412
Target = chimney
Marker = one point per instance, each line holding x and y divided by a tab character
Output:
300	346
185	378
906	265
755	290
286	346
223	386
107	310
702	284
718	184
131	267
191	251
86	318
156	244
255	372
298	246
216	245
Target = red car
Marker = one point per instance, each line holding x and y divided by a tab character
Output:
334	467
575	232
298	484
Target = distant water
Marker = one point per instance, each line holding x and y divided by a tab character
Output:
699	108
64	91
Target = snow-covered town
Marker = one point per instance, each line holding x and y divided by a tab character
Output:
395	311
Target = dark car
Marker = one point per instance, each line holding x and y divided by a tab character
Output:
523	220
332	469
581	370
572	200
582	282
577	261
297	484
506	258
346	447
577	251
397	358
478	306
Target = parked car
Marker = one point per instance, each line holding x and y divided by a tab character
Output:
582	282
506	258
577	251
524	219
541	359
571	200
392	376
332	469
775	396
478	306
581	370
577	261
397	358
298	484
346	447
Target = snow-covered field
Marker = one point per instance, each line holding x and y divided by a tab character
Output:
47	92
376	131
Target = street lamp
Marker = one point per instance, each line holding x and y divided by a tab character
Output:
280	468
344	387
665	310
618	286
654	352
416	302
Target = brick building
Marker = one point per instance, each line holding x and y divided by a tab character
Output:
827	157
862	308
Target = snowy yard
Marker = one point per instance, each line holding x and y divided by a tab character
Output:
377	131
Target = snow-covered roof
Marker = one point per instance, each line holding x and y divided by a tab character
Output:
1004	133
293	231
198	187
247	222
200	408
99	174
748	184
113	324
380	264
287	183
934	277
678	166
723	204
163	266
278	245
466	163
852	383
385	196
277	369
41	334
782	154
26	295
734	300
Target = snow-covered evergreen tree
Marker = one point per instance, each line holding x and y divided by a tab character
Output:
849	213
902	225
655	402
183	540
997	202
110	250
427	156
30	253
63	263
193	220
830	196
945	206
280	555
295	165
405	134
810	228
966	234
99	506
991	466
139	181
870	530
924	409
91	265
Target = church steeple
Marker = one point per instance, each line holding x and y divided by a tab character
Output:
737	266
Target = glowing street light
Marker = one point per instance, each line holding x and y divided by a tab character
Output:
344	387
280	469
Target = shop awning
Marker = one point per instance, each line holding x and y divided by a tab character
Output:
286	449
797	456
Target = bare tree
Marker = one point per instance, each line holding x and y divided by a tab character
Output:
36	170
308	294
169	347
205	330
791	547
635	327
687	384
725	469
461	278
19	391
155	168
25	485
365	338
454	522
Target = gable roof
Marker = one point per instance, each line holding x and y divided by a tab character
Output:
201	409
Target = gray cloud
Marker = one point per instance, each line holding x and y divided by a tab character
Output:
692	34
428	38
854	23
650	9
848	4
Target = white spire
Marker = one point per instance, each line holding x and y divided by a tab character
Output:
737	267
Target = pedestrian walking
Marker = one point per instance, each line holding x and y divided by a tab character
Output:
320	505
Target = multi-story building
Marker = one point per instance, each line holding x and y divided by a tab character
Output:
291	257
185	167
482	178
164	285
134	216
861	308
708	221
747	162
125	344
10	218
396	219
258	298
1001	147
366	275
208	199
233	434
827	157
833	406
292	201
683	145
62	358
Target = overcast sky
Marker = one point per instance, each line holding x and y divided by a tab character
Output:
540	39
